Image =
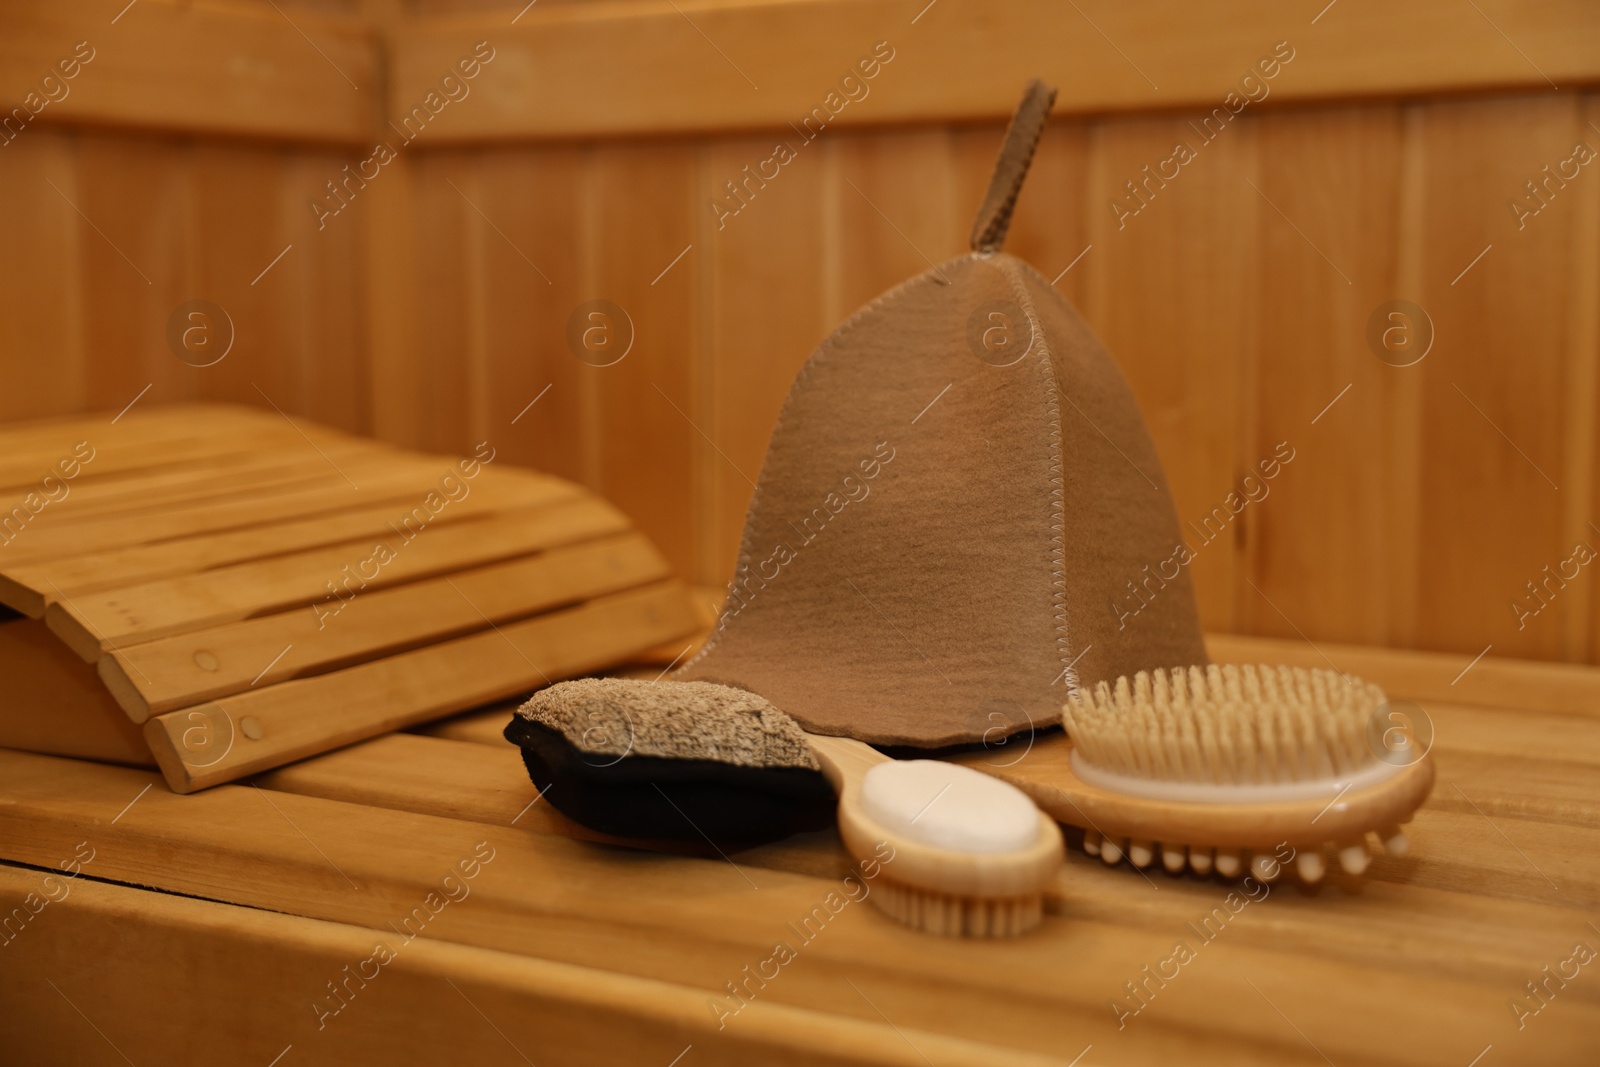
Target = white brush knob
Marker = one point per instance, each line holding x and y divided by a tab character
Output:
1309	864
1173	858
1091	842
1265	866
1228	862
1200	859
948	806
1353	857
1111	852
1394	839
1140	853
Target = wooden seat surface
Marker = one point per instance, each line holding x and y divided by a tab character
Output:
242	922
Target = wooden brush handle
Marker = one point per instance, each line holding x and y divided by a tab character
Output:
845	761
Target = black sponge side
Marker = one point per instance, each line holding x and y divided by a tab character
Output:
671	799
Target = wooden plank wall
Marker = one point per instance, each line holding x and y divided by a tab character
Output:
435	309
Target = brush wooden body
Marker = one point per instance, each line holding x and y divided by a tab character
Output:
1238	767
1230	835
943	891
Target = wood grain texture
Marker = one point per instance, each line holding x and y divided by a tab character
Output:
1185	245
485	1005
290	720
645	204
1500	883
434	309
1492	434
1327	256
577	70
531	280
756	343
186	603
213	68
164	674
27	587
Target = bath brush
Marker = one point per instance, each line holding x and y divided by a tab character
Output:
1236	768
953	851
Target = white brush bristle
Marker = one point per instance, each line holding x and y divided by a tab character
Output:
1226	725
955	916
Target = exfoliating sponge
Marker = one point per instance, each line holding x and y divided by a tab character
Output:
675	761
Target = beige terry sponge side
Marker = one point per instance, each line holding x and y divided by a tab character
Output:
616	717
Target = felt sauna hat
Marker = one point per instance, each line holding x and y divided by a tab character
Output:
958	502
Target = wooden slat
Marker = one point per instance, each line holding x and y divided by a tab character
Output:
141	439
535	199
753	358
402	483
478	782
240	475
319	288
299	717
97	622
131	464
1311	335
40	282
481	727
237	187
698	922
190	949
429	775
196	489
145	422
1361	509
158	676
582	70
1188	366
646	212
1492	435
1518	735
220	69
1547	789
1492	764
29	586
1456	688
139	194
438	391
897	215
1581	422
1490	682
462	780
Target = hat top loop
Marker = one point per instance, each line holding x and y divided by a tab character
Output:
1022	136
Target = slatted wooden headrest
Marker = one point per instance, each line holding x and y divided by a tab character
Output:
254	591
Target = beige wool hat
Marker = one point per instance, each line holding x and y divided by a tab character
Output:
959	492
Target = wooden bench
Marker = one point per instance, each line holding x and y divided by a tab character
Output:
410	900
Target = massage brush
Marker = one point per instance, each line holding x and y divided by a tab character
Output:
1231	767
957	852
